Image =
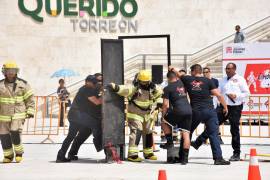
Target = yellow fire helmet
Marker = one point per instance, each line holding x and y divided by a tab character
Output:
145	76
10	65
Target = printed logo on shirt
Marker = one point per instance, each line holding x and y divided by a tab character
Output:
181	91
196	85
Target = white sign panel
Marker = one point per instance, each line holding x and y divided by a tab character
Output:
253	63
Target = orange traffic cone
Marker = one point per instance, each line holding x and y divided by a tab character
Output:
253	171
162	175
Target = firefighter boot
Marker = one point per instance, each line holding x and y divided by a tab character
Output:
18	158
7	148
18	147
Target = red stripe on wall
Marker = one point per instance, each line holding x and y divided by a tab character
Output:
244	59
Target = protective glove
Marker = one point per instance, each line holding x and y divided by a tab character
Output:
152	86
114	87
159	105
28	116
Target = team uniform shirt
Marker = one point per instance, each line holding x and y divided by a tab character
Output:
199	90
176	94
234	85
180	112
82	103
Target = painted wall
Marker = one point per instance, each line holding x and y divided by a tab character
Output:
42	48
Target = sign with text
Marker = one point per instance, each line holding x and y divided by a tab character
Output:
253	63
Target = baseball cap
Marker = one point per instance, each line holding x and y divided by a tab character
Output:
92	79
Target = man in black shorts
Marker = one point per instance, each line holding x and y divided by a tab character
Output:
180	113
200	90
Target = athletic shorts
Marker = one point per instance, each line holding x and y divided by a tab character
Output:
183	122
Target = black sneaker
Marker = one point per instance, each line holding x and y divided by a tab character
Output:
194	145
73	157
222	162
62	160
167	145
235	157
171	160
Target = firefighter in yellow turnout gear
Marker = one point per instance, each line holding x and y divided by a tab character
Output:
16	104
142	97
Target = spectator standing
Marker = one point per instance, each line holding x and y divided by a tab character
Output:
239	36
235	90
64	101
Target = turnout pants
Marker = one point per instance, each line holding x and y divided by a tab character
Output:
138	128
10	136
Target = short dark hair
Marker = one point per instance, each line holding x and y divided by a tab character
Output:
182	70
196	67
238	26
207	69
233	64
91	78
97	74
171	74
61	81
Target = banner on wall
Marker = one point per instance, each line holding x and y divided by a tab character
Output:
253	63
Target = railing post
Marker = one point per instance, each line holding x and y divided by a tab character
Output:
144	62
185	62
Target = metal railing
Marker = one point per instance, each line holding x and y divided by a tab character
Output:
145	61
209	54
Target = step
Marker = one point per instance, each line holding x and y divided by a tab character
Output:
214	67
216	71
215	64
264	40
218	60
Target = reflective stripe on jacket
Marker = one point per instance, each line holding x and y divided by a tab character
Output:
16	102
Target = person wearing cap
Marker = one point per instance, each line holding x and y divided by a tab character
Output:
16	104
85	118
143	99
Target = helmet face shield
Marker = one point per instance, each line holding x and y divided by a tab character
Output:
10	71
145	83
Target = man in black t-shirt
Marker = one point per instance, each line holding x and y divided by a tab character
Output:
85	118
204	136
200	90
180	113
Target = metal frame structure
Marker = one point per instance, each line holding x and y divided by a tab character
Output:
167	36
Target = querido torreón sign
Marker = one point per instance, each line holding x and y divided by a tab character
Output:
100	14
74	8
